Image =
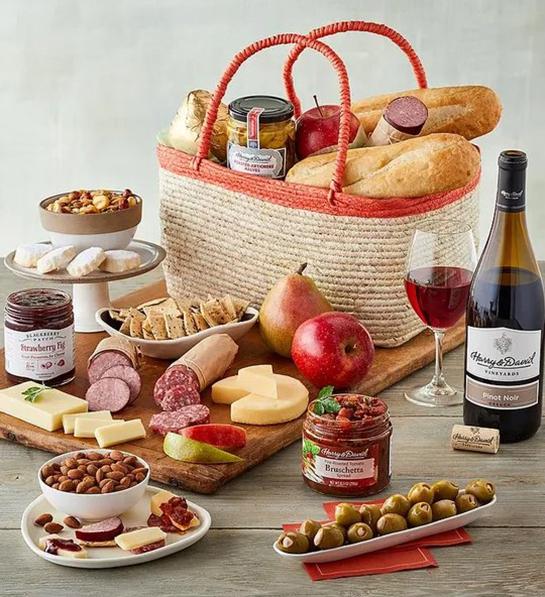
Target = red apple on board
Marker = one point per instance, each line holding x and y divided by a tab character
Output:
333	349
318	131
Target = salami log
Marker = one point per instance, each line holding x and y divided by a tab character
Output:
176	388
104	361
129	375
108	393
166	421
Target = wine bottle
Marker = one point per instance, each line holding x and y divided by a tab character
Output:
506	318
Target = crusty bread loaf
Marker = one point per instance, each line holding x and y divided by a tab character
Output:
421	166
470	111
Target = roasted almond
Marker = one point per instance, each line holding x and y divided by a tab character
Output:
93	489
92	469
53	527
116	455
118	467
116	475
72	522
99	475
70	463
74	474
108	487
94	456
43	519
51	480
67	485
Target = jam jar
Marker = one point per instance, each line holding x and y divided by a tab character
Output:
261	136
39	336
347	452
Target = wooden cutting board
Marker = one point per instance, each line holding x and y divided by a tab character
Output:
390	366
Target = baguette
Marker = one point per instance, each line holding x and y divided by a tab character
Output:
470	111
413	168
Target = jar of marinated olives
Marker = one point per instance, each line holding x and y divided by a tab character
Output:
346	446
261	136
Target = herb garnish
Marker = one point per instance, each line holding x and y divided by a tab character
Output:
32	394
325	403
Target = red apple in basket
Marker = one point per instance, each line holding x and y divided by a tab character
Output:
318	131
333	349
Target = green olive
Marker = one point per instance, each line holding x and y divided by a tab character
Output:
338	526
482	489
370	513
346	514
359	531
420	514
328	537
443	509
420	492
391	523
309	528
396	504
445	490
466	502
293	542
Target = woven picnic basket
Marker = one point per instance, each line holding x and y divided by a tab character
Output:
229	232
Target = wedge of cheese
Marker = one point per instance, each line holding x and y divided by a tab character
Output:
227	391
119	433
69	421
258	381
86	427
256	409
46	411
139	538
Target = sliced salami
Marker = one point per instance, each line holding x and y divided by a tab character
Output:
129	375
148	547
176	388
108	393
106	360
105	530
166	421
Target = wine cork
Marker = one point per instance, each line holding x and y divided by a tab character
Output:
210	358
475	439
402	119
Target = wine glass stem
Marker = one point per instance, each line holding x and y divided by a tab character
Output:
438	378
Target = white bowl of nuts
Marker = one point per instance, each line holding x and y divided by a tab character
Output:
95	218
94	484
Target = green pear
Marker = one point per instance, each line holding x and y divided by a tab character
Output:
291	301
189	450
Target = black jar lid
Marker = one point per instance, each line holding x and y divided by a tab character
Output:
275	109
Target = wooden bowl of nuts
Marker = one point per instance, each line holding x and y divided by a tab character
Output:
94	484
94	218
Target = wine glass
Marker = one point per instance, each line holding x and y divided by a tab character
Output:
440	266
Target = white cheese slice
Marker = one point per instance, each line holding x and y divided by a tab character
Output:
68	421
86	427
257	382
255	409
110	435
48	409
139	538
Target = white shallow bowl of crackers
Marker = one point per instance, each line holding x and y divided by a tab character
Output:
166	328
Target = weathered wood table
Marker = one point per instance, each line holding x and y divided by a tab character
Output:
507	556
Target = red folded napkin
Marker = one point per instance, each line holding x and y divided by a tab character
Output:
408	556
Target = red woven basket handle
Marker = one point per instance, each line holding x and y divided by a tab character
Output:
276	40
342	27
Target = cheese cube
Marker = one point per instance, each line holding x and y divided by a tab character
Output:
48	409
139	538
254	409
86	427
257	382
110	435
68	421
160	498
226	391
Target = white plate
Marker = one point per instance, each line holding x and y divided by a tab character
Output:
172	349
111	557
358	549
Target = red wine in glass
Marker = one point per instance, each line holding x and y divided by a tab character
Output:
438	294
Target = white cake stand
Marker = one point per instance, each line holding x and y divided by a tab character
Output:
91	293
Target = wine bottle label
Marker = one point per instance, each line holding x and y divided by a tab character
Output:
503	367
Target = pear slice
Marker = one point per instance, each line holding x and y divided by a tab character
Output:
189	450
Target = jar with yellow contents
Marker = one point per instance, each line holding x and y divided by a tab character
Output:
261	136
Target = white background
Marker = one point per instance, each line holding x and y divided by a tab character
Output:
85	85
